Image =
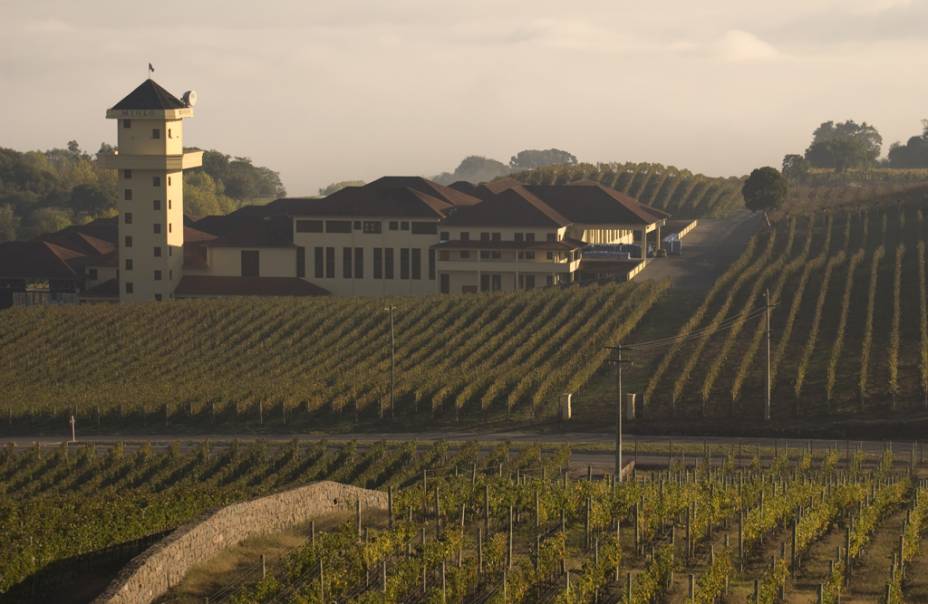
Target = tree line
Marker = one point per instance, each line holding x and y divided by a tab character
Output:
46	191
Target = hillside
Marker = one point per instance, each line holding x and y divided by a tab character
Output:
679	192
318	360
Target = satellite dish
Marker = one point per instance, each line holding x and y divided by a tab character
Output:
190	98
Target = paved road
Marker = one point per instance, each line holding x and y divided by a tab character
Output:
707	251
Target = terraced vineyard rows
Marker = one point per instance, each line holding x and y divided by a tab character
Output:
286	360
679	192
846	325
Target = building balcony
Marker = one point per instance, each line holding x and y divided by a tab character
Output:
166	163
508	266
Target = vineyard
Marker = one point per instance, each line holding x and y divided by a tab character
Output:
300	362
679	192
849	333
485	523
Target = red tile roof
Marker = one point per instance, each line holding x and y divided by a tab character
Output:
368	201
194	285
75	240
36	260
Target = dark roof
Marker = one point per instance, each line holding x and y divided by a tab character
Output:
464	186
423	185
274	231
193	235
357	202
195	285
73	239
591	203
36	260
149	95
111	259
513	207
107	290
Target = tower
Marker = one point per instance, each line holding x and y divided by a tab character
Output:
150	160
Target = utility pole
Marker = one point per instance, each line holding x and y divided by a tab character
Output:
72	421
390	309
618	427
767	320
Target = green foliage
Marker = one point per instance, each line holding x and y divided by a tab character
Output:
338	186
844	145
530	159
913	154
474	169
795	167
765	190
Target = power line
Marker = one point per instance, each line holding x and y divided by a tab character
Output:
697	333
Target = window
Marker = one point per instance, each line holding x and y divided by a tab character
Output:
157	251
518	236
496	282
337	226
549	280
170	134
157	275
155	204
251	263
404	263
301	262
169	181
127	123
394	225
445	283
308	226
129	288
157	297
530	237
128	264
156	228
92	274
388	263
359	263
416	263
169	204
156	181
346	262
171	275
357	225
128	241
550	255
443	255
127	217
330	262
170	227
490	255
484	236
444	236
127	194
529	282
319	261
497	237
156	133
372	226
378	263
404	226
127	174
465	255
465	236
431	265
484	283
170	251
424	228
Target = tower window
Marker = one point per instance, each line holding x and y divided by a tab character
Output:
127	123
156	228
169	133
169	204
127	174
170	227
157	275
128	241
129	288
158	252
127	194
128	264
171	275
156	133
156	181
128	217
169	181
156	204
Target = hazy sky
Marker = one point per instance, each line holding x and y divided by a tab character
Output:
354	89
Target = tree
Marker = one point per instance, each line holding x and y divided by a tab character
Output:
89	199
913	154
536	158
9	223
203	196
795	167
338	186
46	220
844	145
764	190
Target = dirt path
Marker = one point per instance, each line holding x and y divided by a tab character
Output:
815	568
869	575
915	587
707	251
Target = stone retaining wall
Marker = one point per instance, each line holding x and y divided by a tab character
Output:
163	565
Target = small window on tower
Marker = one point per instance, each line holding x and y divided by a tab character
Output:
169	204
157	275
156	228
156	181
127	174
169	181
158	252
128	241
169	133
127	194
129	288
156	204
128	264
156	133
171	275
128	217
170	227
127	123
